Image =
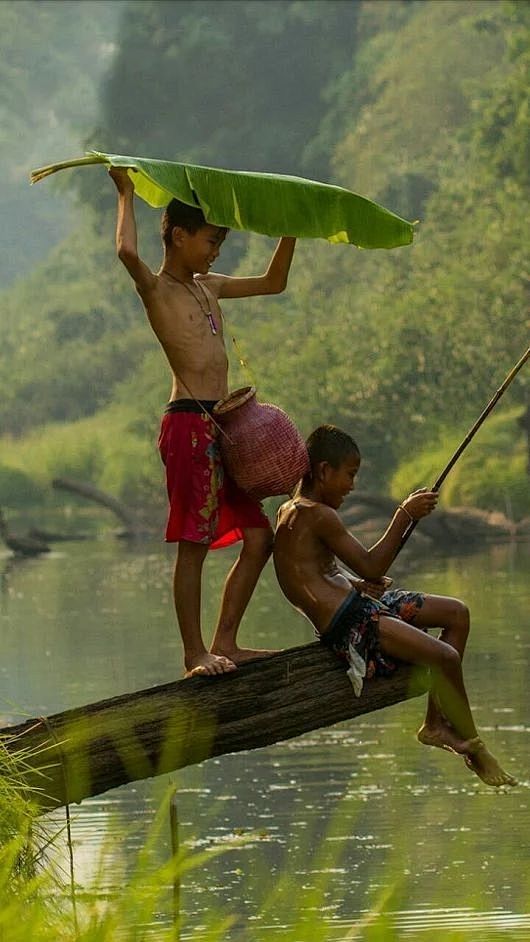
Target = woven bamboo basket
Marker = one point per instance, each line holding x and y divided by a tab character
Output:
262	449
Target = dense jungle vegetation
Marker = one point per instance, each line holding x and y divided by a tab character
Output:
418	104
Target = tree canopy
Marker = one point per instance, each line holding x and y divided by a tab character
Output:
422	106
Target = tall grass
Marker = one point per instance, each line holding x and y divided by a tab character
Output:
35	905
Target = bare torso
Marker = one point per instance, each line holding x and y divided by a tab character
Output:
196	355
306	569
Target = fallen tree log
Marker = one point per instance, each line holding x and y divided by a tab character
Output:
86	751
89	492
48	536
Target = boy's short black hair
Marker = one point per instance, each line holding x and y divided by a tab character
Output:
331	444
190	218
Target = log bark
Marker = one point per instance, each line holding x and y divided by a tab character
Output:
70	756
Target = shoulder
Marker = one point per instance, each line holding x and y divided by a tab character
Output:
149	287
161	294
326	523
311	514
212	282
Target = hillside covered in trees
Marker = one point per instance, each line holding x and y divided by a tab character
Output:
420	105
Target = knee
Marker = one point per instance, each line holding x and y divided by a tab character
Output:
460	617
257	544
448	659
190	555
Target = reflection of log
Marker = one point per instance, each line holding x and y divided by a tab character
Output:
88	491
86	751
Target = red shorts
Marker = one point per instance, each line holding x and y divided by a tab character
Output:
205	505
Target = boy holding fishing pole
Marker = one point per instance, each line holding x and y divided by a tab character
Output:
367	627
207	510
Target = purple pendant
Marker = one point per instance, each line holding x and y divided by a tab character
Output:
211	322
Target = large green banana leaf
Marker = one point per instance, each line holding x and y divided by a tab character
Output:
269	203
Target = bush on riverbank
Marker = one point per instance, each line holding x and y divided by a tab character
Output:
491	474
103	450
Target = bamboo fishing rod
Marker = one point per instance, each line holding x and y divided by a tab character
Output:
465	442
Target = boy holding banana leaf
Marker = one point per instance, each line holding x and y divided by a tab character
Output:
207	510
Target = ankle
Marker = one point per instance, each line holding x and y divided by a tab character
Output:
474	746
192	655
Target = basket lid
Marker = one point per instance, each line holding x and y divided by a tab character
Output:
233	401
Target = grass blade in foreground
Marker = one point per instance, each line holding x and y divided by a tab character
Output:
268	203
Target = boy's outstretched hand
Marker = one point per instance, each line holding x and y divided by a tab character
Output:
420	503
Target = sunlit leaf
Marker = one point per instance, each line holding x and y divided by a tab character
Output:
269	203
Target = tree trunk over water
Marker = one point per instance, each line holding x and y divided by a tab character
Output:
89	492
86	751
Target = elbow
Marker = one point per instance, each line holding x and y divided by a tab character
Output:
370	570
126	254
276	287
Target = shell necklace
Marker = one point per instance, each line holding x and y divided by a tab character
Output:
206	311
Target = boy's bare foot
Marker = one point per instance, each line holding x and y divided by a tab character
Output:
209	664
241	655
481	761
444	737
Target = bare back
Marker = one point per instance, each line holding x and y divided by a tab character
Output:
306	569
196	355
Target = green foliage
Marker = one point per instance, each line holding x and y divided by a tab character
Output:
491	474
17	488
503	122
401	348
68	334
247	87
416	100
106	450
51	58
295	902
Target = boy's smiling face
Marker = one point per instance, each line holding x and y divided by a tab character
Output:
199	250
336	483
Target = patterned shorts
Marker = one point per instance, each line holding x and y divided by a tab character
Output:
355	624
205	505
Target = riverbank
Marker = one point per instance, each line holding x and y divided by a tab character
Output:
368	515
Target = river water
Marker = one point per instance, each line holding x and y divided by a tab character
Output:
308	839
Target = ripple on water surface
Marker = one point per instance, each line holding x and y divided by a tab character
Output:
324	825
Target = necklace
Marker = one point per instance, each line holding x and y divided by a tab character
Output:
206	311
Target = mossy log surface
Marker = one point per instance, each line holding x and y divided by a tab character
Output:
70	756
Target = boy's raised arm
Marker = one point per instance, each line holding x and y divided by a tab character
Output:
273	281
126	234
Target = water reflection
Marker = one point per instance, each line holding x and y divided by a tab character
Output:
329	824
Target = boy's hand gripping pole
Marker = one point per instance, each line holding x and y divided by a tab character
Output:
465	442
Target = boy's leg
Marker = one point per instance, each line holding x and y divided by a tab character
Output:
187	595
407	643
452	616
239	586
